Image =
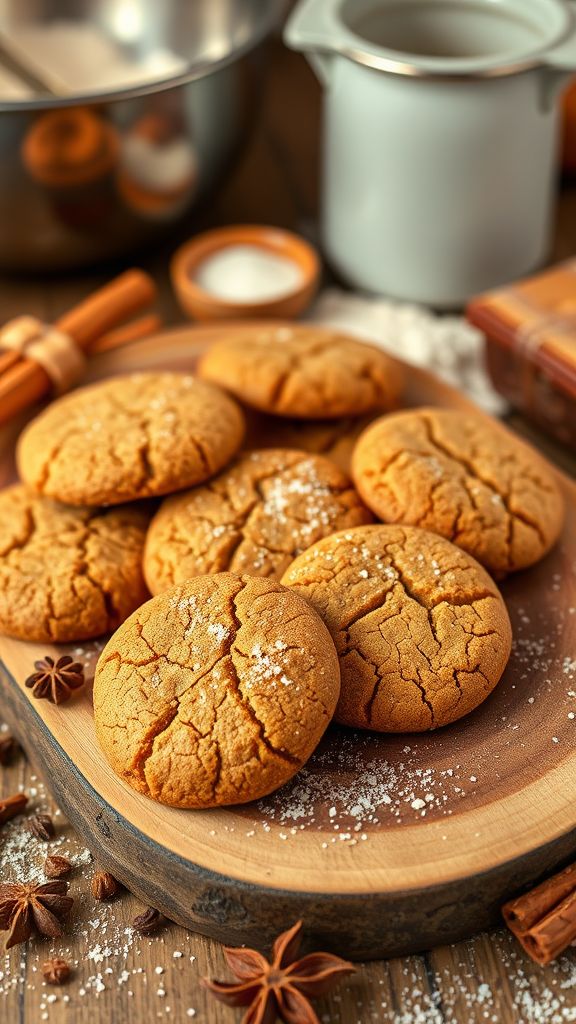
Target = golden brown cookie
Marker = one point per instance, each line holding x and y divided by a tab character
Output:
67	573
421	629
470	481
130	437
303	371
255	517
335	439
215	692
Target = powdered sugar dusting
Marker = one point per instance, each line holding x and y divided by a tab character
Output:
369	781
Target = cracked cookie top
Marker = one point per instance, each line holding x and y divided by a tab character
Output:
130	437
303	371
458	475
66	573
255	517
421	630
215	692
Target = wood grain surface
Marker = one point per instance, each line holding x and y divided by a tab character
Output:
488	807
484	979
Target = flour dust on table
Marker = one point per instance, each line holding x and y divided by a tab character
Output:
447	345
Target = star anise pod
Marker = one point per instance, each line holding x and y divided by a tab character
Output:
56	971
55	680
283	988
25	907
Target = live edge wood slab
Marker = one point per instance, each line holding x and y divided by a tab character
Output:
502	812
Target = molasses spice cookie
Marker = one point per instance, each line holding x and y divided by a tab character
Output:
130	437
464	478
66	573
421	629
303	371
215	692
255	517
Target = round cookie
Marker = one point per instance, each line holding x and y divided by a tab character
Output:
335	439
130	437
421	630
215	692
255	517
456	474
303	371
66	573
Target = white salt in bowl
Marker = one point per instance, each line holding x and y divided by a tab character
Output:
244	272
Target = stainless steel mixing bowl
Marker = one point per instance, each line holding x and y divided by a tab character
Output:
87	177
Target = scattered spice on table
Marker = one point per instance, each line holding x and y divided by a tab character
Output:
55	681
149	921
56	971
11	806
111	963
56	866
281	988
544	919
104	886
27	907
42	826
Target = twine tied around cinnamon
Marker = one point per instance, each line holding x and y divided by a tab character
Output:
56	352
37	358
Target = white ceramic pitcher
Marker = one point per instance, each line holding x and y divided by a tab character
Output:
440	138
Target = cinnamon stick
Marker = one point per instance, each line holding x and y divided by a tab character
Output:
107	307
544	920
133	331
8	359
24	382
22	385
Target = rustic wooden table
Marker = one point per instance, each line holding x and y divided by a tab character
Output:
119	976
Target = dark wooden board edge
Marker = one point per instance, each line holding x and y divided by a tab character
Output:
355	925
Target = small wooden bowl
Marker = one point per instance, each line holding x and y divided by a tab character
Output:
200	304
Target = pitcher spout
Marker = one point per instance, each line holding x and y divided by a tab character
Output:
313	29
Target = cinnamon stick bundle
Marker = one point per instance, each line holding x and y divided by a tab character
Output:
544	920
96	324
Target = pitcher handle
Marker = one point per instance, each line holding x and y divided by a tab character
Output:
559	64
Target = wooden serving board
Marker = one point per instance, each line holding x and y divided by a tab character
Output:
383	844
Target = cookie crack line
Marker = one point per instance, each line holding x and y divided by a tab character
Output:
284	755
30	530
146	747
423	694
351	648
233	685
49	460
380	682
472	470
242	519
200	450
296	361
143	452
216	750
112	612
